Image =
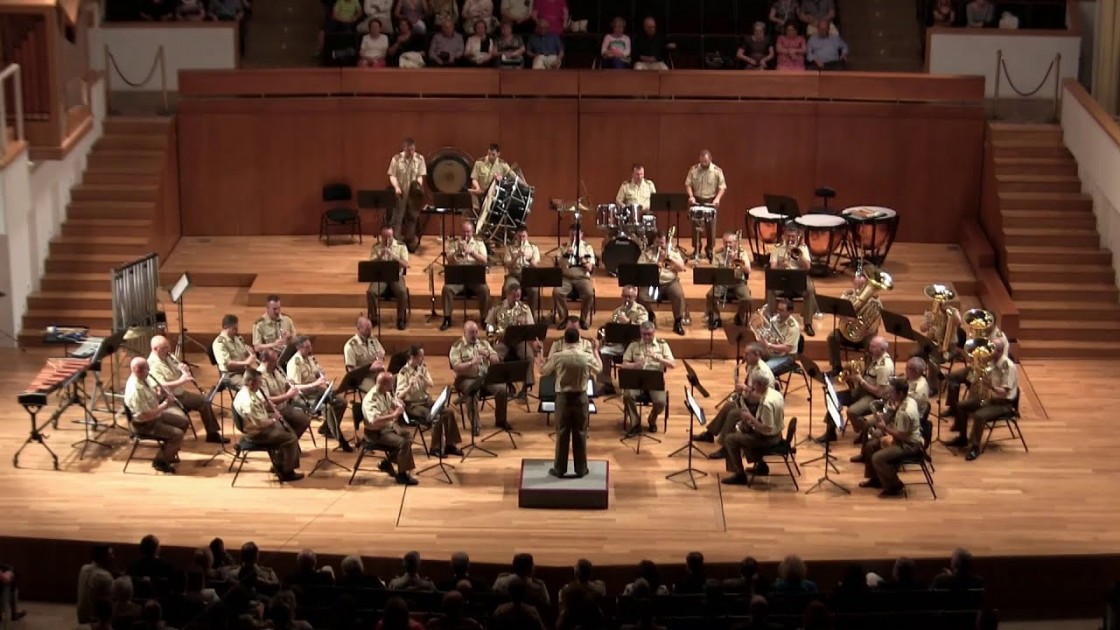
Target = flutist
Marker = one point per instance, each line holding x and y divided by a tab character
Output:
413	382
384	426
731	257
407	171
303	369
387	248
670	262
155	414
174	376
231	354
895	434
264	427
465	250
285	396
274	329
364	349
743	398
519	254
577	260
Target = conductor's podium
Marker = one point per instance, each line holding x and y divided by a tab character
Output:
539	489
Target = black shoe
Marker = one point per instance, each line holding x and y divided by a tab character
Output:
720	453
704	437
892	492
583	325
634	430
453	450
556	473
504	426
760	470
809	330
948	413
291	475
715	323
973	453
738	319
583	473
345	446
870	483
735	480
323	429
856	459
436	453
386	466
400	324
216	438
446	323
405	479
163	466
678	326
958	442
652	428
824	438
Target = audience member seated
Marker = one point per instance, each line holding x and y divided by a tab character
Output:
203	562
696	579
190	11
411	580
510	48
583	580
650	48
615	50
461	572
197	589
475	10
904	577
222	560
518	613
446	48
756	52
580	610
344	615
791	49
102	615
251	575
397	617
226	10
452	615
157	10
380	10
308	572
352	574
345	15
545	48
480	49
440	10
943	13
648	582
791	577
646	621
554	13
149	567
519	13
783	12
817	617
95	581
414	12
375	46
536	593
959	576
827	52
980	13
9	586
408	48
758	616
179	607
746	583
814	12
281	615
125	611
852	584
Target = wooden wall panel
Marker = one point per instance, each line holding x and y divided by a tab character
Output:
613	135
541	138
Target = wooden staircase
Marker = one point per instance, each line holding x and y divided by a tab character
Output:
1061	279
108	223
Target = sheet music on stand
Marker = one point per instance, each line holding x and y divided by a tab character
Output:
832	396
439	404
548	403
181	285
690	400
318	406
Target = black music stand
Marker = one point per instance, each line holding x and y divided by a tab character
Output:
646	381
787	282
697	414
382	271
507	373
674	203
781	204
434	417
540	277
323	404
465	275
352	380
829	397
444	205
838	419
384	199
617	333
694	385
107	350
713	277
839	307
897	325
34	402
521	335
814	374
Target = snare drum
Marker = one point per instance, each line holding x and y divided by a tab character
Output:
872	230
702	214
620	250
824	236
606	216
763	228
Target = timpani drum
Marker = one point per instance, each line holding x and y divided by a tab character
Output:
763	228
872	230
824	236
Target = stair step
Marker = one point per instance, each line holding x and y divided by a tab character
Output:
1002	132
1041	149
37	320
136	125
1027	272
1075	219
1038	182
145	167
1032	165
107	227
62	300
1051	236
1065	310
1031	349
132	141
102	176
118	159
1045	201
1058	255
85	263
114	192
76	281
121	245
1075	288
110	210
1071	330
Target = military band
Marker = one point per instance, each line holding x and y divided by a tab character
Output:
576	261
781	337
636	191
754	432
383	416
388	248
364	349
573	367
274	329
231	355
511	311
173	375
670	264
471	357
992	393
303	370
155	413
742	398
792	254
867	380
465	250
519	254
485	172
856	333
413	382
407	171
895	435
732	256
705	185
285	396
648	353
263	426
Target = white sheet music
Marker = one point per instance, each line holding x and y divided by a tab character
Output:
832	397
695	408
834	412
181	286
439	404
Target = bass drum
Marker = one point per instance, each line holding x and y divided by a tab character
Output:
449	171
514	199
619	250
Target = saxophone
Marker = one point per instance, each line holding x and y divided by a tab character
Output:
943	319
868	310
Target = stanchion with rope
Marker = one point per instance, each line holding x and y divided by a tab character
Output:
157	62
1001	72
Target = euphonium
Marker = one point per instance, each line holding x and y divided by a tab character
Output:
981	354
867	309
979	323
763	326
943	319
854	367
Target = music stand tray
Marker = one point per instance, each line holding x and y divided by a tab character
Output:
639	275
838	307
713	276
782	204
540	277
788	281
465	275
646	381
451	203
619	333
382	271
352	380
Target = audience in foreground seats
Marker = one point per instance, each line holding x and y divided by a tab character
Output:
615	50
791	576
791	48
756	52
959	575
354	574
411	579
518	613
414	12
943	13
125	611
9	588
452	614
536	593
696	580
827	52
583	581
95	581
510	48
650	49
461	572
648	582
545	48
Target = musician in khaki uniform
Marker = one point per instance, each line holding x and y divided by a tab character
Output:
732	257
173	376
584	344
387	248
790	254
154	414
230	352
465	250
413	382
285	395
518	255
917	388
705	186
511	311
648	353
364	349
895	434
671	263
863	388
743	398
264	427
781	348
407	171
628	312
755	432
303	369
865	327
486	171
383	415
1002	384
577	260
273	329
636	191
573	368
470	358
958	377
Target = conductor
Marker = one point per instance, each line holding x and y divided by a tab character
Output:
573	367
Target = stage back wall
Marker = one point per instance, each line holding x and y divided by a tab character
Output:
255	148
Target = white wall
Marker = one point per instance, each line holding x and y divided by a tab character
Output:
186	46
1098	163
1026	56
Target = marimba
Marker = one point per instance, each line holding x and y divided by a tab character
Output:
55	375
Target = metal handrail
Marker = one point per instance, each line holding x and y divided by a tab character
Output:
1054	67
157	63
11	71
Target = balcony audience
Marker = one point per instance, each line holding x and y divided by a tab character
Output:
447	47
519	13
475	10
408	48
545	47
380	10
813	12
756	52
441	10
414	12
943	13
783	12
190	11
375	46
650	51
791	48
553	12
510	47
980	13
157	10
480	50
827	52
615	49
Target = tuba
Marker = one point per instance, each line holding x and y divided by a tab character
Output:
981	354
868	310
979	323
943	319
763	327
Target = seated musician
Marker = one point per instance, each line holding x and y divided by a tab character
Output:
743	398
781	351
285	395
671	263
855	334
274	329
992	398
364	349
629	312
958	377
519	255
384	416
577	260
648	353
485	172
863	387
636	191
511	311
754	432
470	359
231	354
895	434
465	250
917	389
303	369
264	426
155	414
732	257
789	254
388	248
705	185
174	375
413	382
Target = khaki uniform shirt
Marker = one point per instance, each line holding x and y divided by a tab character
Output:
485	171
771	413
459	252
273	383
503	316
631	193
376	404
394	251
649	257
139	396
780	259
760	368
267	330
1006	374
407	171
790	332
881	371
359	351
919	391
906	421
586	255
253	409
228	349
643	353
728	260
413	383
637	314
463	352
302	370
583	345
572	367
517	257
706	183
165	371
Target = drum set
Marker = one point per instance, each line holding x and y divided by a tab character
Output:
860	234
628	228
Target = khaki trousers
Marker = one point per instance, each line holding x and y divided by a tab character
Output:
481	291
658	400
282	444
572	418
194	401
169	426
406	215
671	291
882	463
586	296
470	387
399	440
752	445
396	289
981	414
741	292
